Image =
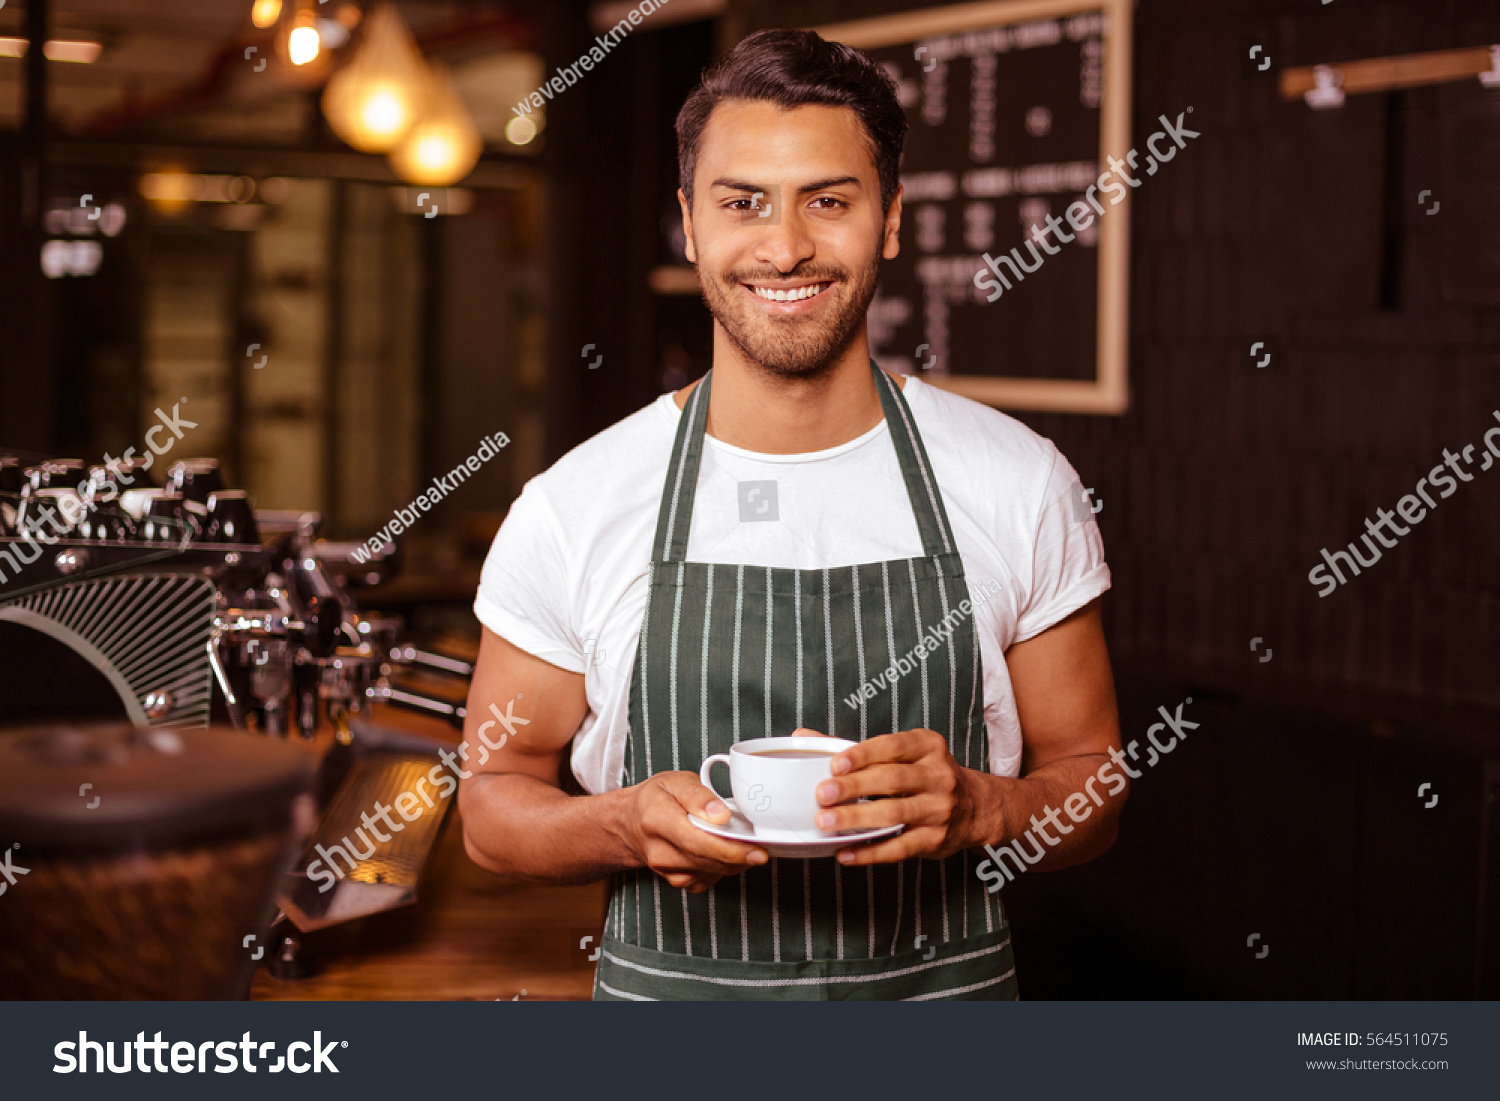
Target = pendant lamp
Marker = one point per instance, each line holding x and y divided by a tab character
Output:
445	144
373	102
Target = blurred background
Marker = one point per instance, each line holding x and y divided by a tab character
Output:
193	207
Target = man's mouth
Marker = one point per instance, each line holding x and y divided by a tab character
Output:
789	294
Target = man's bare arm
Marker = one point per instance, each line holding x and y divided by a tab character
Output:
522	715
517	821
1065	699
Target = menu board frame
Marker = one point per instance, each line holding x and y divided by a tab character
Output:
1108	392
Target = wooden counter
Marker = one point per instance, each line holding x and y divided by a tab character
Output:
469	935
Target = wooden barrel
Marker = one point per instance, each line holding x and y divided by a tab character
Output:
143	863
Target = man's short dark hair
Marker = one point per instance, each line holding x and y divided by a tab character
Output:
794	69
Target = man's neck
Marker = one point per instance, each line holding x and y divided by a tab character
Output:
754	409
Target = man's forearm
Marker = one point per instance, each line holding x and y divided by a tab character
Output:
521	827
1007	808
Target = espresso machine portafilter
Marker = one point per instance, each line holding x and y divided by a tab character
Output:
292	644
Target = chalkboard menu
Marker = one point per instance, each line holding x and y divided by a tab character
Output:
1013	107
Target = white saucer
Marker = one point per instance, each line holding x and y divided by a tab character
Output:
790	843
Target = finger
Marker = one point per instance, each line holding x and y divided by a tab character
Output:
882	779
904	745
703	849
807	732
697	847
693	849
907	844
716	854
691	866
696	799
915	810
694	884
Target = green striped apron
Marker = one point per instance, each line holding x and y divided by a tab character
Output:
734	652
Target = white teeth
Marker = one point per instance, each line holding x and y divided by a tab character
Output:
794	295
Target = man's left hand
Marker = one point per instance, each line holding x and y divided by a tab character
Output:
923	787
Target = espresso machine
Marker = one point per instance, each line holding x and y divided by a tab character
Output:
178	605
251	617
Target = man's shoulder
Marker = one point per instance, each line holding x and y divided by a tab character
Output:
982	435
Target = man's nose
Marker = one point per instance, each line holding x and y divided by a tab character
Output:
784	242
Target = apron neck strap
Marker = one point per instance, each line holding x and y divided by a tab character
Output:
916	468
675	517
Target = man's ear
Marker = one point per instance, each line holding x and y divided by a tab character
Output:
687	228
891	247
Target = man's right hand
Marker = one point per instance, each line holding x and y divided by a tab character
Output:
666	842
519	823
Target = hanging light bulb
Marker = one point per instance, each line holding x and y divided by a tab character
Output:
373	102
302	44
445	144
304	57
264	13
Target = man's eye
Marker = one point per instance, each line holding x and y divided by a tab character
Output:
828	202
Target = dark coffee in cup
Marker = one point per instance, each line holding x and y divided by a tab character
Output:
799	754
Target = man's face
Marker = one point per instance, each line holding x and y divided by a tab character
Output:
787	203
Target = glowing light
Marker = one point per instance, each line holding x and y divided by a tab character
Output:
170	188
62	49
55	49
112	220
520	130
445	144
302	45
61	258
264	13
373	101
386	113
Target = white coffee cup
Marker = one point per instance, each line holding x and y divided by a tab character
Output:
775	782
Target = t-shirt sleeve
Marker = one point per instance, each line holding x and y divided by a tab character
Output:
1067	565
523	590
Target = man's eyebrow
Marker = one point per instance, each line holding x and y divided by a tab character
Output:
737	185
822	185
819	185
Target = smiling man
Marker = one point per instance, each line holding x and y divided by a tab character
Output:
746	557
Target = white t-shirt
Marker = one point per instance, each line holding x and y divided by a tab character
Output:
566	578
